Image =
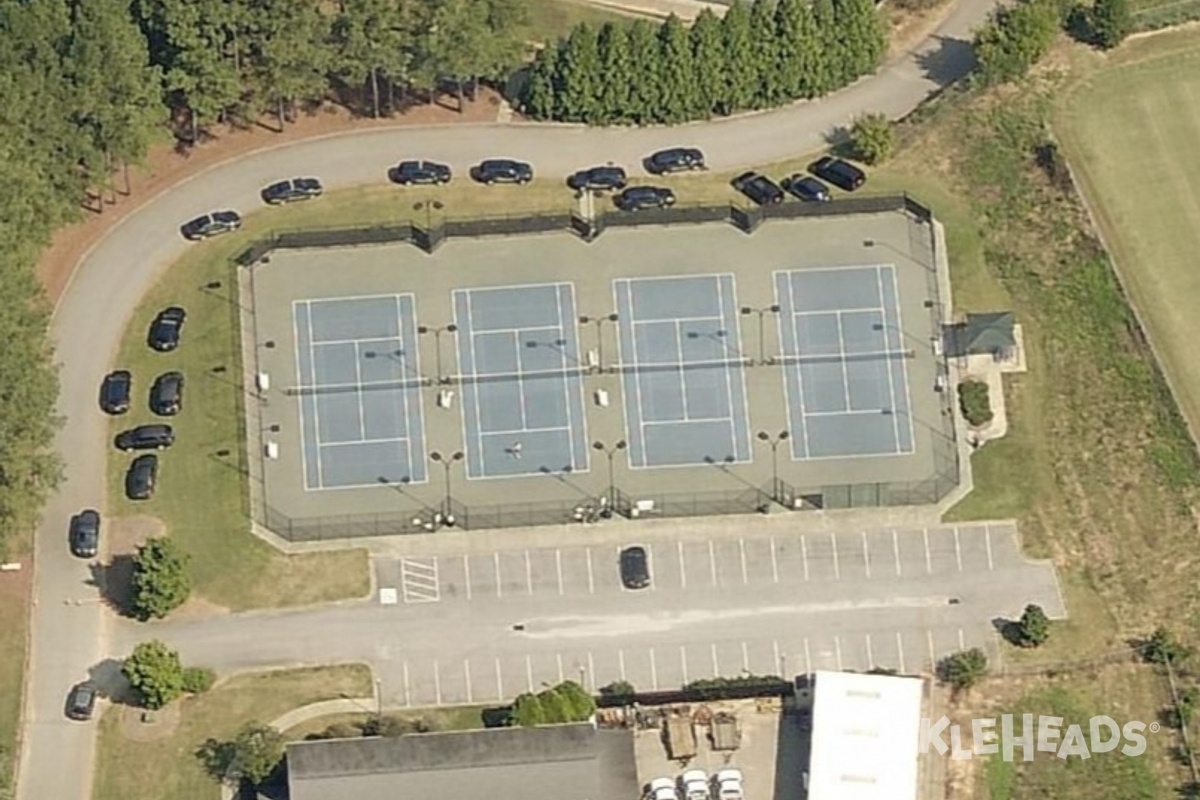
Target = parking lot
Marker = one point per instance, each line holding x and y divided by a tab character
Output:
756	603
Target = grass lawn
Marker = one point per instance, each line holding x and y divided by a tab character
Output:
452	718
132	764
548	20
14	628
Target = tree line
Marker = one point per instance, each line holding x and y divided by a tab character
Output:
755	57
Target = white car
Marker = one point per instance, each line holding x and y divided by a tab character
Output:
695	785
662	789
729	784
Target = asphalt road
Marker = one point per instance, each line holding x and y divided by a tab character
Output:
70	631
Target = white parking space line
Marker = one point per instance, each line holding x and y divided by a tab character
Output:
870	653
775	653
437	683
558	567
467	679
558	661
928	556
804	554
467	574
499	681
957	549
499	582
866	554
682	567
932	652
742	551
837	570
650	565
712	561
528	573
900	651
653	671
837	648
529	672
987	540
962	643
591	574
774	561
683	663
419	580
591	676
621	663
745	658
896	550
407	687
716	664
807	658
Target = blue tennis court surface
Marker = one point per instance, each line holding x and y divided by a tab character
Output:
844	362
359	391
682	371
521	384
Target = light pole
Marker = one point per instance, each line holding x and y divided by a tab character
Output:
584	320
774	442
428	206
447	461
437	332
610	452
762	312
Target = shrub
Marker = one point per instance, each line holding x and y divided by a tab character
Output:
1111	22
964	669
974	402
154	671
160	579
872	138
1015	38
1033	629
618	689
198	680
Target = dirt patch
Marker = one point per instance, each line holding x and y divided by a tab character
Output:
909	28
197	607
140	725
168	164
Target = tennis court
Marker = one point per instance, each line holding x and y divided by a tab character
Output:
521	381
845	366
682	371
359	391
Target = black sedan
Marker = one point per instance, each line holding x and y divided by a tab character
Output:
839	172
635	568
810	190
81	702
636	198
166	395
610	178
502	170
759	188
291	191
408	173
675	159
214	224
115	391
141	477
166	329
145	437
84	533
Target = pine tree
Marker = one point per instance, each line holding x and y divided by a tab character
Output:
579	80
371	39
768	84
645	96
291	53
809	54
616	64
826	71
1111	22
789	42
679	97
864	38
741	73
708	64
539	96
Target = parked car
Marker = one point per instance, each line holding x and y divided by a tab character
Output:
140	479
145	437
661	789
214	224
635	567
759	188
607	178
502	170
410	172
83	535
166	329
115	390
675	159
839	172
292	190
694	784
81	702
635	198
166	395
729	784
810	190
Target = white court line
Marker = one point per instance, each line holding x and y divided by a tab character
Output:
467	680
466	329
528	573
496	562
636	322
774	561
896	550
842	356
558	566
866	554
869	412
397	338
520	379
863	309
636	444
683	663
566	385
716	665
727	372
680	367
712	561
745	658
837	570
437	683
870	653
529	672
887	365
837	649
987	539
407	687
515	331
957	549
300	400
742	550
356	442
928	557
591	575
467	574
499	681
682	567
408	432
791	276
900	651
312	360
903	365
804	554
653	671
519	431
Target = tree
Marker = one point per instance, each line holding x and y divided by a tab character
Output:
1034	627
1111	22
964	669
679	101
825	72
579	79
618	689
872	138
198	680
864	42
566	702
616	65
768	81
1013	40
160	579
468	39
290	52
708	63
539	98
1163	648
580	704
790	43
372	39
741	72
252	755
645	95
154	671
528	711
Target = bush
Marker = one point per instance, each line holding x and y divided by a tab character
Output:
974	402
1162	647
1014	39
618	689
154	671
566	702
160	579
1111	22
872	138
198	680
1033	629
964	669
253	755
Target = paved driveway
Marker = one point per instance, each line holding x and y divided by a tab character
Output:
67	638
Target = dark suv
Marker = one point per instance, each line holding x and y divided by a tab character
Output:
841	174
81	702
166	395
609	178
166	328
115	390
635	567
810	190
675	159
636	198
84	533
210	225
140	479
145	437
502	170
291	191
409	172
759	188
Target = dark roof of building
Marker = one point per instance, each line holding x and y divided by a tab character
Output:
987	333
562	762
